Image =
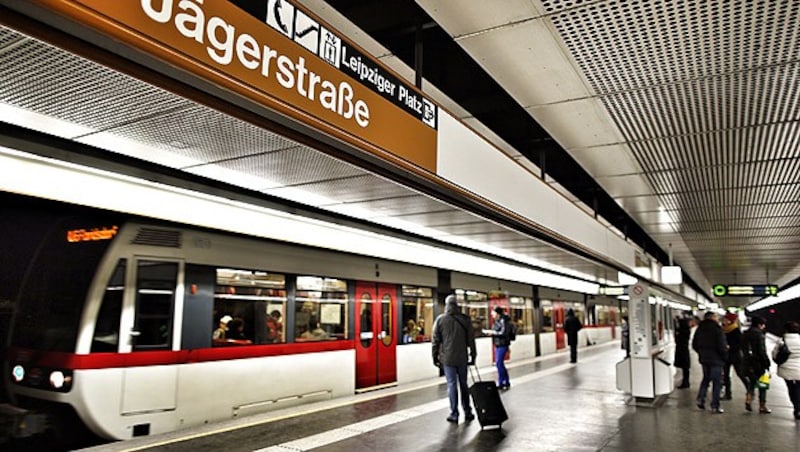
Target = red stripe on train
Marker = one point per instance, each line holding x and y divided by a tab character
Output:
62	360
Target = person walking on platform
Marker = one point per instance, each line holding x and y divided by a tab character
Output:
501	340
683	331
453	346
709	343
571	326
789	370
733	335
755	363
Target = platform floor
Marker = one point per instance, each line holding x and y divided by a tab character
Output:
553	406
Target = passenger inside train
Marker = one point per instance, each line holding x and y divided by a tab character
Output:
220	334
314	331
235	334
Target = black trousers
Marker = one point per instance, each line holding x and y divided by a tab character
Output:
573	353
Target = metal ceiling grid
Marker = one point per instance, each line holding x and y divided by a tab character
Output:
283	167
707	97
354	189
200	134
443	218
41	78
473	230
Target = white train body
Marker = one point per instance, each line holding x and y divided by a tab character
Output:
137	353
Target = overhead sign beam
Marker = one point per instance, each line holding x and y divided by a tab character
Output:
290	62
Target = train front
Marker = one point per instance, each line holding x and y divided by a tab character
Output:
42	358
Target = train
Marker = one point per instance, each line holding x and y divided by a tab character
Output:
132	326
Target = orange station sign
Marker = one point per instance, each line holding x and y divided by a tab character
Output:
290	62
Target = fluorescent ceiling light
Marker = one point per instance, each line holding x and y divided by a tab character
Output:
232	177
120	145
41	123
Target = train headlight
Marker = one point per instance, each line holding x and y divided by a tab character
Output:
60	381
57	379
18	372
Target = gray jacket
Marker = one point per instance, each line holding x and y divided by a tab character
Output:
453	339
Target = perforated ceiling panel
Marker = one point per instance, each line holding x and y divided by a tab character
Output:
707	97
41	78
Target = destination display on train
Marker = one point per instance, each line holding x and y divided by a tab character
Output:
754	290
92	234
299	27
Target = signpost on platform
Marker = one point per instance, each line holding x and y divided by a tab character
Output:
644	374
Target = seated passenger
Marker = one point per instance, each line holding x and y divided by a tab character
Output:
315	333
274	327
219	335
410	332
235	334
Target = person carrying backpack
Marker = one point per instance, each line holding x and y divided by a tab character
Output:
501	338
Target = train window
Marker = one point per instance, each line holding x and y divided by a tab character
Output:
366	335
521	313
249	307
320	309
417	313
476	305
106	329
547	316
605	315
155	297
387	319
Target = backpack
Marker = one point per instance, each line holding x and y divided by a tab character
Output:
512	330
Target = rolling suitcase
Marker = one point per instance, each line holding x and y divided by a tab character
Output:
486	398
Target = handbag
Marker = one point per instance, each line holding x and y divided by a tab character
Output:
782	355
763	381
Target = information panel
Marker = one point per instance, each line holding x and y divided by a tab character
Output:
754	290
639	320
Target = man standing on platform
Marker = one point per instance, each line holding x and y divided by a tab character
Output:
710	344
571	326
453	345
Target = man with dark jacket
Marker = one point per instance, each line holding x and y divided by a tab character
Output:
709	343
453	345
571	326
683	332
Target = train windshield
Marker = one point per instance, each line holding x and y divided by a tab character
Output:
53	294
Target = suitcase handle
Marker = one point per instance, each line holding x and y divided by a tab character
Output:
474	380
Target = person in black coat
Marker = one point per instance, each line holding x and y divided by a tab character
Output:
571	326
453	348
755	362
683	331
709	343
730	326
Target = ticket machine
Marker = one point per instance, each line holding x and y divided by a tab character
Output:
647	374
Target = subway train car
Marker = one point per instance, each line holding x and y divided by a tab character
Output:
135	327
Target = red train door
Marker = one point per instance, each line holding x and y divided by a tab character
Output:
558	323
376	360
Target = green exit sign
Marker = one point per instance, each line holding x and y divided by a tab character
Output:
754	290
